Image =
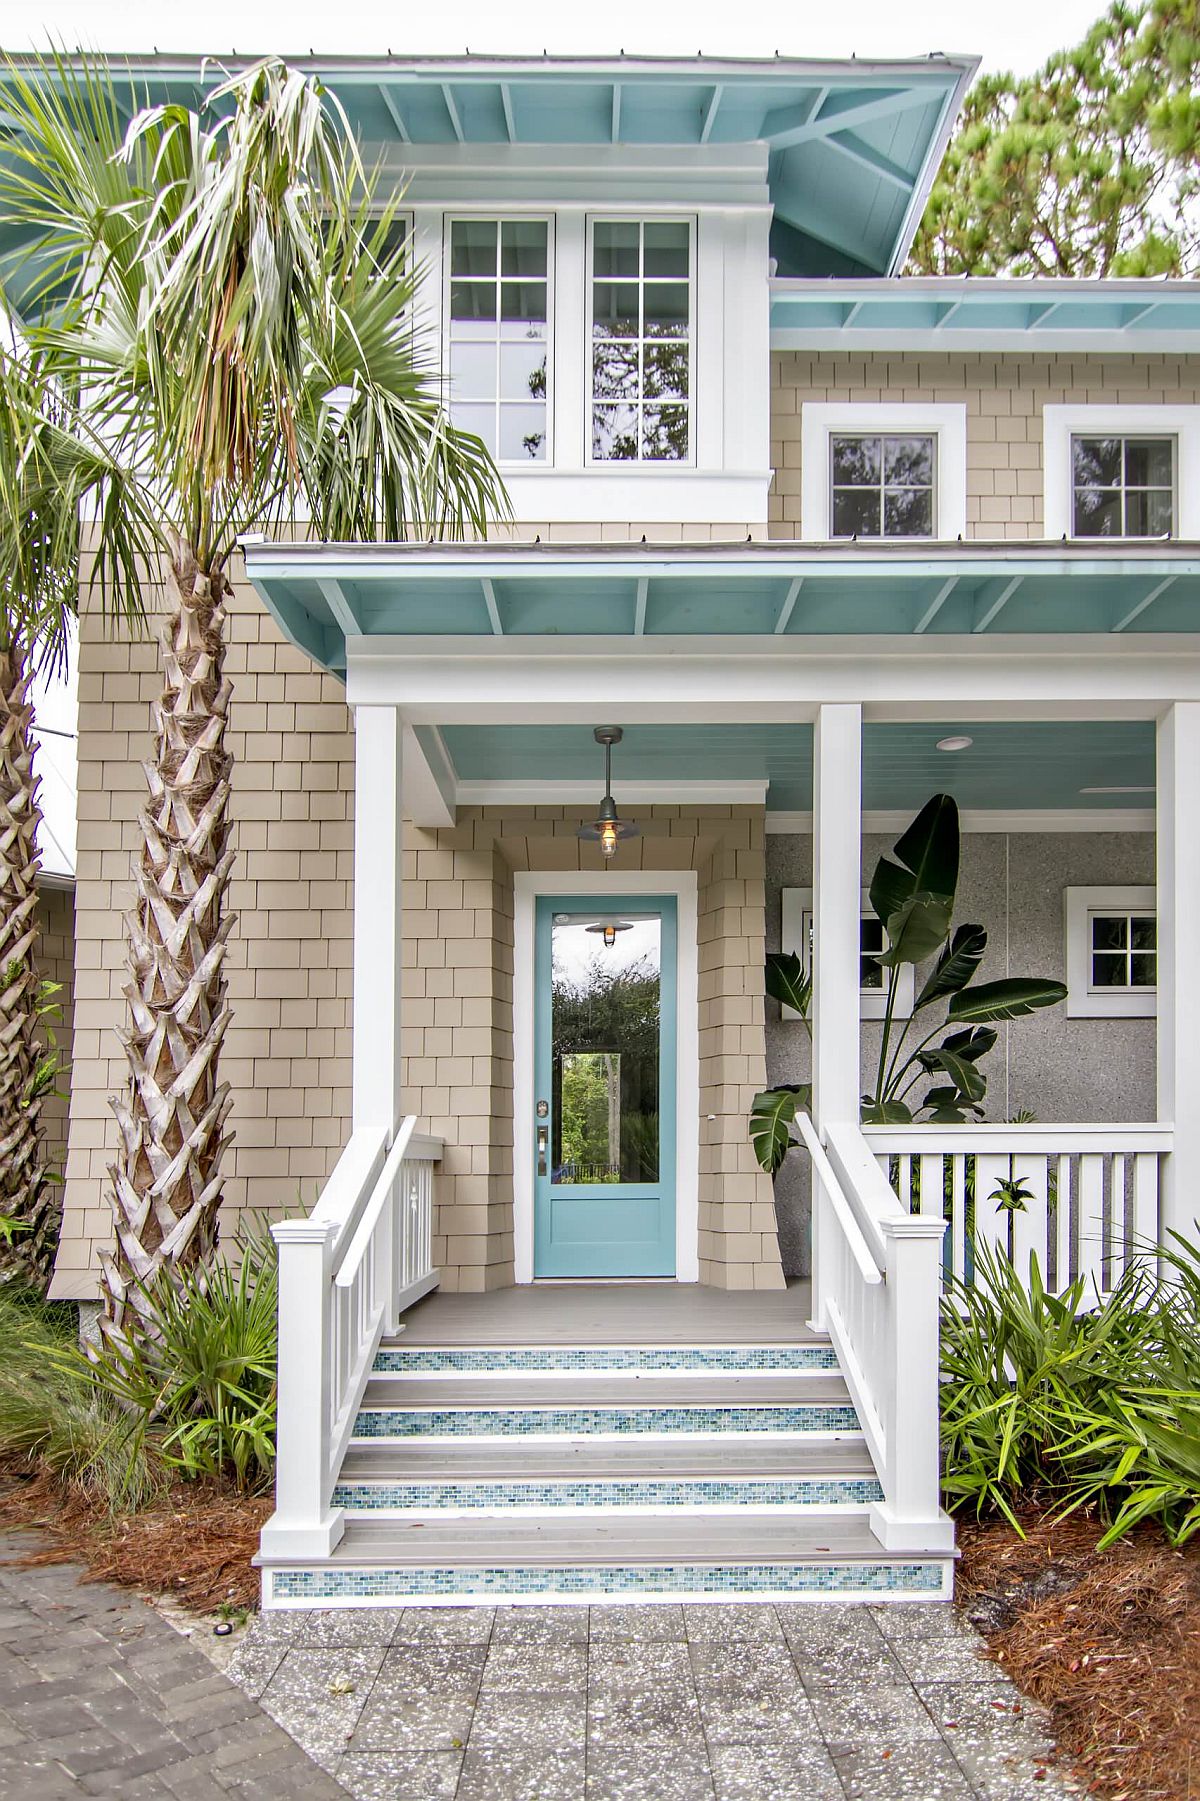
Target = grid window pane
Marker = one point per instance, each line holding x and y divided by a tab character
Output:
1124	951
499	334
882	485
641	323
1123	487
871	943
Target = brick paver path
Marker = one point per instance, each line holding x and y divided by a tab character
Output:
664	1703
100	1696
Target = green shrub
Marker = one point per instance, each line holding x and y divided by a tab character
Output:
204	1383
53	1417
1050	1401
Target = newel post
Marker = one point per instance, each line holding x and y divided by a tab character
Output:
910	1516
304	1524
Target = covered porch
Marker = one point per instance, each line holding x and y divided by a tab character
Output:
480	737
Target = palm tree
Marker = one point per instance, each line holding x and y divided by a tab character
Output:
52	466
231	291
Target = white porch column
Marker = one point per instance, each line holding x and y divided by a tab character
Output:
1178	855
837	888
378	938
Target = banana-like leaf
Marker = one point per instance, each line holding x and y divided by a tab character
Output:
771	1116
885	1113
969	1082
930	847
973	1042
918	929
956	965
890	887
1012	998
788	982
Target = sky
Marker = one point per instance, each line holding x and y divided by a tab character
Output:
1018	34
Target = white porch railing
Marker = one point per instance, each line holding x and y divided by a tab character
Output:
876	1286
346	1273
1090	1196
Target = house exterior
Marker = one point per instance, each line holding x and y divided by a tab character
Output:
820	541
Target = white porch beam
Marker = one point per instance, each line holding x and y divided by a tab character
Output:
1178	856
430	785
348	621
716	680
836	948
378	948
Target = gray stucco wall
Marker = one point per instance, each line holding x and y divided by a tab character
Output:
1054	1067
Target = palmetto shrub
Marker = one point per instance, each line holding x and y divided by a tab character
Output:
1048	1400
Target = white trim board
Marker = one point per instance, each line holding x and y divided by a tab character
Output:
587	793
1060	423
682	883
947	421
982	819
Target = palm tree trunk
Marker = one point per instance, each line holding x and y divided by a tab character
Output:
28	1196
166	1184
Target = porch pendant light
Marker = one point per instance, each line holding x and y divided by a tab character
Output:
608	828
608	929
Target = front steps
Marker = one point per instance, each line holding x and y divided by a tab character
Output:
589	1473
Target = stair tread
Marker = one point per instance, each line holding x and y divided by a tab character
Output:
595	1313
508	1459
548	1542
713	1389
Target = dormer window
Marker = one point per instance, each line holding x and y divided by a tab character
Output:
641	309
500	335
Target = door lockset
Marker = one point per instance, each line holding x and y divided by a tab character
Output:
543	1138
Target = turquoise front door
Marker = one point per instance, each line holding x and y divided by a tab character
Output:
604	1086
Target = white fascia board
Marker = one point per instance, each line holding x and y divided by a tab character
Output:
987	819
664	792
733	679
656	177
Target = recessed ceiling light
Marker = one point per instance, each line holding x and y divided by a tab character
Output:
960	743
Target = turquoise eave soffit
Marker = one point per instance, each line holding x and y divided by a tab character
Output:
851	146
322	594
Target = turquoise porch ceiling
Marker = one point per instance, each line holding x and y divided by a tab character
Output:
1010	765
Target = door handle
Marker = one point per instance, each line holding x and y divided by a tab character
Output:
543	1147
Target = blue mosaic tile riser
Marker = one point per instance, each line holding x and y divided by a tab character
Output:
518	1422
592	1358
589	1579
424	1497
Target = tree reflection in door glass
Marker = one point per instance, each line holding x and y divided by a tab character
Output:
605	1030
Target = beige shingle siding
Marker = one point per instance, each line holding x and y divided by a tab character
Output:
1004	395
287	1054
56	960
458	1020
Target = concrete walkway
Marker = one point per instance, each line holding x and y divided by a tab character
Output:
100	1696
664	1703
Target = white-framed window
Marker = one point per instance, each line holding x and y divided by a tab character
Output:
1121	471
796	934
896	472
498	312
641	310
1112	952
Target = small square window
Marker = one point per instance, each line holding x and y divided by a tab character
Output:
797	935
1111	952
882	484
1123	487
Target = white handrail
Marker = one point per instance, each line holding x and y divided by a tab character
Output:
1032	1138
860	1250
345	1274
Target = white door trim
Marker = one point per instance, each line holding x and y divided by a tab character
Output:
527	885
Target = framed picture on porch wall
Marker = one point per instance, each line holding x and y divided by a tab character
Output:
796	934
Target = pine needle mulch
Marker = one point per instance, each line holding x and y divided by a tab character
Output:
195	1544
1108	1640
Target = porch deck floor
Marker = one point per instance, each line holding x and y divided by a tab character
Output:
611	1313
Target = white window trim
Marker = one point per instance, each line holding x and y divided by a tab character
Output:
652	468
946	422
796	902
477	215
1084	1001
1061	423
